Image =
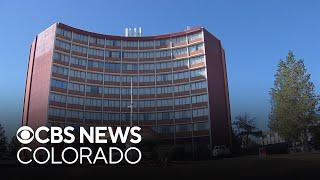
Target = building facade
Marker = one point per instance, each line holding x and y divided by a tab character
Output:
179	83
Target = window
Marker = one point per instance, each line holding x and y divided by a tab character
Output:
112	54
59	84
127	79
113	43
147	66
145	43
126	103
80	37
61	57
199	98
111	103
164	65
77	74
78	61
60	70
177	40
74	114
194	36
112	78
95	52
165	129
164	102
111	90
163	53
198	72
98	41
196	47
147	103
183	127
93	115
129	67
95	64
57	112
146	91
182	101
94	89
201	126
181	88
75	100
111	116
130	43
63	45
94	76
179	52
93	102
146	55
164	90
196	60
64	33
198	85
130	55
181	63
79	49
165	115
113	66
162	42
127	116
200	112
76	87
147	116
57	98
182	114
146	78
164	77
181	75
127	91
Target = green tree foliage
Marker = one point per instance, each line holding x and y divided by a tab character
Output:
244	127
3	141
13	146
293	100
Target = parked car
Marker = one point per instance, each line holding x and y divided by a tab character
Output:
221	151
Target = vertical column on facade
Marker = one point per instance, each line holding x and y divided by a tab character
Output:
190	95
155	83
173	97
138	100
69	68
205	63
121	57
103	84
85	86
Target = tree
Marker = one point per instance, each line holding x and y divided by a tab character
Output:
14	146
3	141
293	100
244	127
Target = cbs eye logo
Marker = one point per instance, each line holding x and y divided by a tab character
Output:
25	135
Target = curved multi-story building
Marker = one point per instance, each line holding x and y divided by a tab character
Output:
179	83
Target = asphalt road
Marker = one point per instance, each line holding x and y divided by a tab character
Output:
295	166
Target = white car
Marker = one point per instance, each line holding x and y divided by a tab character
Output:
221	151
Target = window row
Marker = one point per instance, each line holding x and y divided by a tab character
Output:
102	41
124	90
128	66
126	54
126	116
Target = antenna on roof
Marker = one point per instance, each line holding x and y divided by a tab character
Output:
133	32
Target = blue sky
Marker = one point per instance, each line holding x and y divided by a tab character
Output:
255	35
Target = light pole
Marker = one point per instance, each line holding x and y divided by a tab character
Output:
128	144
